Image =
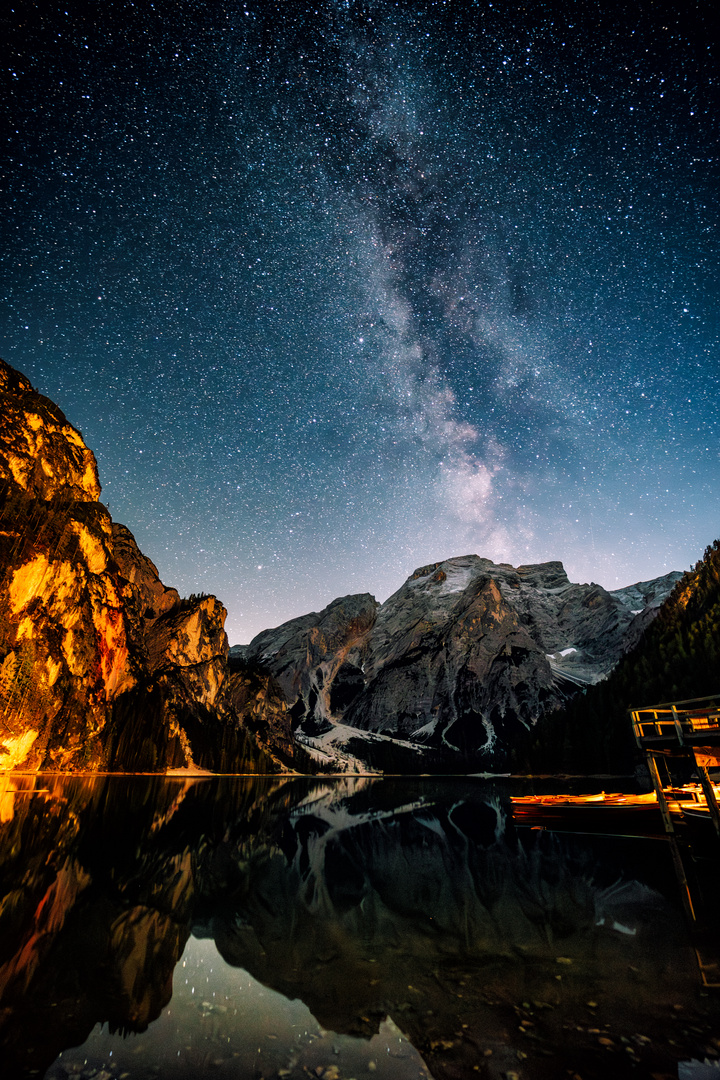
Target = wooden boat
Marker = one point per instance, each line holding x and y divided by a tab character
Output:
697	813
611	812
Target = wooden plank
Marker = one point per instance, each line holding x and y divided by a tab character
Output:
709	792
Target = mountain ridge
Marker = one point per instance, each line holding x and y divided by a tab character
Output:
461	657
677	657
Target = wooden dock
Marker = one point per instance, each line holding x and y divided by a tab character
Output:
685	736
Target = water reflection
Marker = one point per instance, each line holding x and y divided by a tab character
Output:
379	924
223	1022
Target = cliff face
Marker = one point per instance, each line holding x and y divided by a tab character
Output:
67	645
316	658
101	665
463	657
40	451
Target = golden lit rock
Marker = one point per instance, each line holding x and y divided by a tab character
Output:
27	582
39	450
94	552
14	751
101	665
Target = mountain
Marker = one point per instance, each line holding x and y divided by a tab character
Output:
464	658
676	658
101	665
469	663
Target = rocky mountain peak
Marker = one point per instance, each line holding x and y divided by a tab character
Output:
39	450
456	574
548	575
463	653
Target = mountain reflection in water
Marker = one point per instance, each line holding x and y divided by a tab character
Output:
363	926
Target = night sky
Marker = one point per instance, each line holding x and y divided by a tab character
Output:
337	289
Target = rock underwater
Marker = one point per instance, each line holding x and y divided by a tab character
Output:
102	666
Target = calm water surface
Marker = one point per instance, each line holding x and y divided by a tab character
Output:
339	929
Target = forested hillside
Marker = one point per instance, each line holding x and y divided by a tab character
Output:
677	658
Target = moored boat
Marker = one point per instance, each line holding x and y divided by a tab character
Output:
611	812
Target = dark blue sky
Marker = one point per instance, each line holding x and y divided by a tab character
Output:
337	289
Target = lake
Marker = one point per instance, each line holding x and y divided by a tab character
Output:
344	929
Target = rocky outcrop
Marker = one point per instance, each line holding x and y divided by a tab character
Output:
101	665
463	657
315	658
254	694
674	658
40	452
67	645
154	598
644	601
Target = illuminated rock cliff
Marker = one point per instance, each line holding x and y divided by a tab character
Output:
101	665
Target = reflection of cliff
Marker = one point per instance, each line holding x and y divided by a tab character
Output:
99	883
72	940
101	665
364	899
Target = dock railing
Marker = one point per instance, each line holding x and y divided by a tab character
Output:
678	723
687	732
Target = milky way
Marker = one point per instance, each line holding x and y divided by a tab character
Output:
339	289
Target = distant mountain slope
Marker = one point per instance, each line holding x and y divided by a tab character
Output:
464	658
677	658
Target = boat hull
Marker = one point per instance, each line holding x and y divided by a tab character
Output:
625	820
614	814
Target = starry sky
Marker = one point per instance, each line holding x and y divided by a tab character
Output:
337	289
